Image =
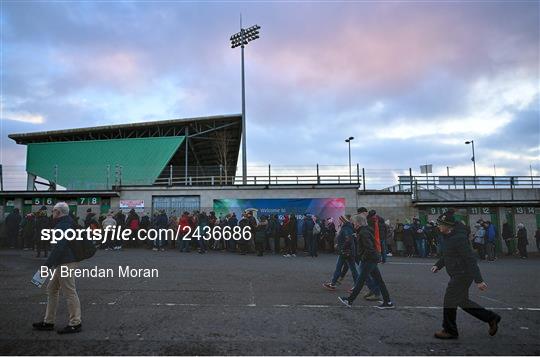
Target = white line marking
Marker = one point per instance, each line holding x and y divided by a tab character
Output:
252	295
490	299
314	305
408	263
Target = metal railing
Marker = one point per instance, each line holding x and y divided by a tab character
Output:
407	183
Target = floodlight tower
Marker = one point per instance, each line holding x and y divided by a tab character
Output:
241	39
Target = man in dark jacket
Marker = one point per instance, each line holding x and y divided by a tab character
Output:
307	233
13	224
61	255
369	257
346	249
42	222
461	266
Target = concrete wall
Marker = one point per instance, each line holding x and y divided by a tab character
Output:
389	205
518	194
208	194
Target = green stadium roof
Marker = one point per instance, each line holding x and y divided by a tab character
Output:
92	164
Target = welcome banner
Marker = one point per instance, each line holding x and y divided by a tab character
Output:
321	207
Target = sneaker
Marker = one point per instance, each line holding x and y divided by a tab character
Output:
155	249
329	286
345	301
287	255
389	255
373	297
162	249
43	326
386	305
294	255
70	329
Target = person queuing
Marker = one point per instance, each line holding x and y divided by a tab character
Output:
508	237
369	257
489	241
260	235
310	239
274	232
461	266
479	241
522	240
42	221
13	225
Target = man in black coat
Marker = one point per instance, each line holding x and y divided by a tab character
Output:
13	225
460	263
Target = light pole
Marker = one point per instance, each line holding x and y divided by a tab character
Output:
350	170
473	159
241	39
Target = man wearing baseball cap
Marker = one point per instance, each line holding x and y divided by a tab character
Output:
461	266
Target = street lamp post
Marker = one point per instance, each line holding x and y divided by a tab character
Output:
241	39
473	159
350	169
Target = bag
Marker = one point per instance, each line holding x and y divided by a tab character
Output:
82	249
316	229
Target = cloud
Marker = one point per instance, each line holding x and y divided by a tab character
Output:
410	81
24	117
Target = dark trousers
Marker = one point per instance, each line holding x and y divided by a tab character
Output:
369	269
276	245
311	241
292	244
522	250
509	246
457	294
42	246
259	247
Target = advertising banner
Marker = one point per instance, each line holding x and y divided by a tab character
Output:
125	204
321	207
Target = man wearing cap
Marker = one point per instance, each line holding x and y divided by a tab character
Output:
461	266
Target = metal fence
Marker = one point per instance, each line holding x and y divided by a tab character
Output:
398	180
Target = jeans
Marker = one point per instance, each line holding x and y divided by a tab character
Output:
185	245
367	269
370	282
311	240
490	250
341	261
421	247
457	294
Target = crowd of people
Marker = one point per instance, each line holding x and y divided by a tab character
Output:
269	234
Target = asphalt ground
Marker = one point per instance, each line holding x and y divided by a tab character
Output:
227	304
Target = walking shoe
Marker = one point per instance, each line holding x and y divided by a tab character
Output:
386	305
373	297
443	335
329	286
294	255
494	326
70	329
287	255
154	249
345	301
43	326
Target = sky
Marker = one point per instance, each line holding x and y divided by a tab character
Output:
410	81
